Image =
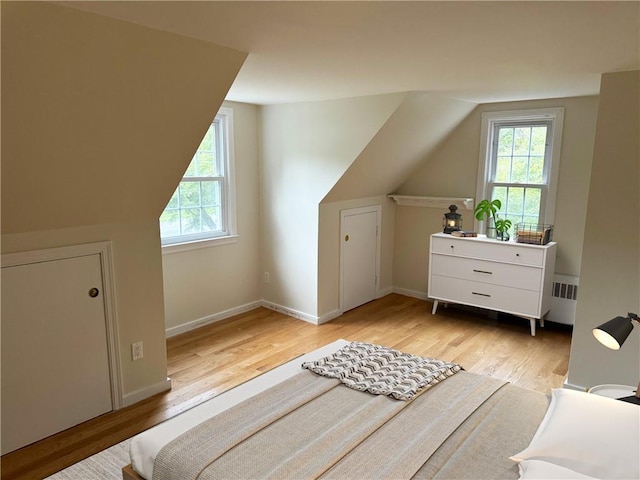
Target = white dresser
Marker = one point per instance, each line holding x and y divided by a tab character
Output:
509	277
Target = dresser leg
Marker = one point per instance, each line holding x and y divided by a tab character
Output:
542	321
532	322
435	307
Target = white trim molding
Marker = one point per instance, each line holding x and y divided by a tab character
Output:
489	121
410	293
216	317
291	312
466	203
144	393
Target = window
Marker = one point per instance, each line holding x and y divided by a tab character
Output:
519	160
202	207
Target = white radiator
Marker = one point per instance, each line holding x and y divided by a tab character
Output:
564	296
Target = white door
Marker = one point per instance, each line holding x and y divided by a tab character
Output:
359	256
55	364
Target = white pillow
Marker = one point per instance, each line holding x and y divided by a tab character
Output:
589	434
539	470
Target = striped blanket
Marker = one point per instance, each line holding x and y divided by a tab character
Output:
382	371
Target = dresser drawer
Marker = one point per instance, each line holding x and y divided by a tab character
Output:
488	250
508	275
485	295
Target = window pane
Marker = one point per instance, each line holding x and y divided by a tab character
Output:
503	169
189	194
170	223
191	169
174	202
501	194
515	200
197	209
191	220
505	141
538	140
515	219
521	140
211	194
536	168
207	142
532	201
519	170
205	164
211	219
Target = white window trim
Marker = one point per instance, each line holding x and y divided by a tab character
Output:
230	192
489	120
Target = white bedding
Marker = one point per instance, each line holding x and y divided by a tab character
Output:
145	446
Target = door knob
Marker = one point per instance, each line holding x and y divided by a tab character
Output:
94	292
346	238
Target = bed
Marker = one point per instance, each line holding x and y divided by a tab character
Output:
293	423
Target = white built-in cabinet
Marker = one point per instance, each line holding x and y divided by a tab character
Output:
510	277
59	341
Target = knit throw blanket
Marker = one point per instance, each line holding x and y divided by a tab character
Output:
382	371
311	426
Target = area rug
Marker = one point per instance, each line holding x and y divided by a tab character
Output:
104	465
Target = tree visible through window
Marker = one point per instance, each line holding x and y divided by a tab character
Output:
519	163
519	178
201	206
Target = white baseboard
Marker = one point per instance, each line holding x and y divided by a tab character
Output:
216	317
327	317
410	293
291	312
143	393
384	292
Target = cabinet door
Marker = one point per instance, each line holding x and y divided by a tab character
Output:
359	256
55	366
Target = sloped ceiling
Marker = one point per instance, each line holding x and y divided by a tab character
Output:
414	130
100	117
477	51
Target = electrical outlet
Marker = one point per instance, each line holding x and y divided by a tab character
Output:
267	277
136	351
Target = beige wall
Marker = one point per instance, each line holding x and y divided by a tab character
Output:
207	281
91	106
414	130
610	280
100	118
138	290
452	172
306	148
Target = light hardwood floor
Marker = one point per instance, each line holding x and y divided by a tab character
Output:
205	362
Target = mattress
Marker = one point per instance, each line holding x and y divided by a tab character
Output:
145	446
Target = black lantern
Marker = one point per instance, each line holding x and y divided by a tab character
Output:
452	221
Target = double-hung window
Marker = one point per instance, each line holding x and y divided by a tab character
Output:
202	207
519	160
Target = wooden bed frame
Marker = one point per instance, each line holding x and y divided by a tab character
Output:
128	473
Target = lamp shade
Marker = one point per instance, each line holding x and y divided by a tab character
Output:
613	333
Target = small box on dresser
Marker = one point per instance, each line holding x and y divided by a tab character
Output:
509	277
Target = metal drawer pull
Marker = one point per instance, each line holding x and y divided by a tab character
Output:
481	294
483	271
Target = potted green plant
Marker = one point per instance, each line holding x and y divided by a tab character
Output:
488	210
502	228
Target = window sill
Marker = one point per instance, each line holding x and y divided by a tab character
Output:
196	244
